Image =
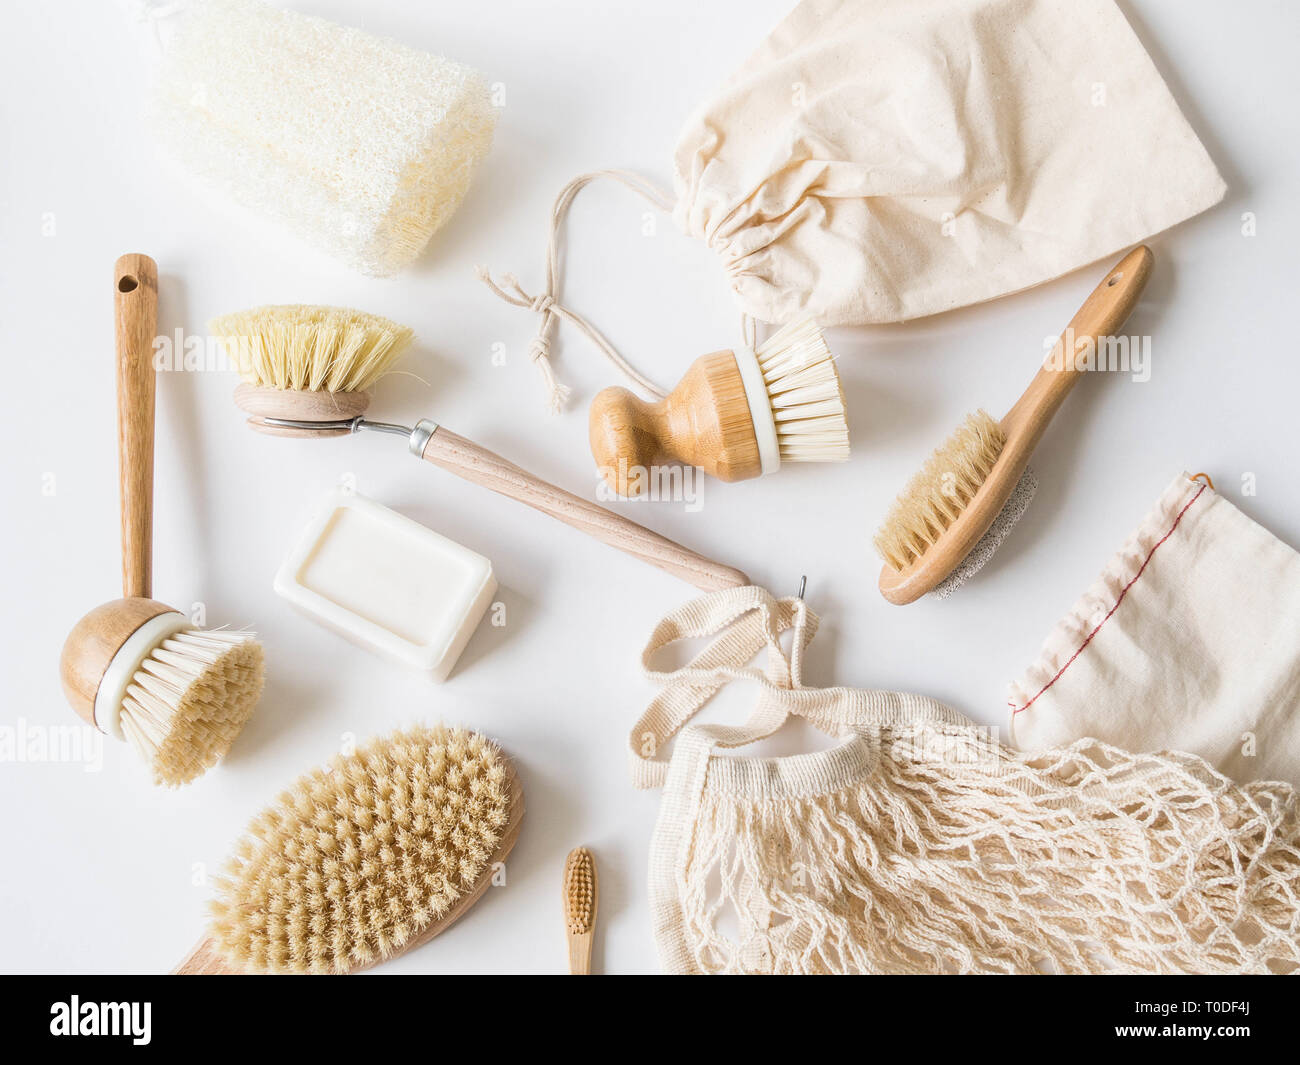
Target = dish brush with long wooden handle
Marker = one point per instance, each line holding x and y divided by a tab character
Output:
307	372
736	414
961	505
581	896
365	859
135	668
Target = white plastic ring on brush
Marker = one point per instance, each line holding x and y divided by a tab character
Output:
126	663
760	410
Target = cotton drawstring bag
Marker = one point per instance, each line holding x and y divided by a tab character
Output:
921	845
881	160
1189	638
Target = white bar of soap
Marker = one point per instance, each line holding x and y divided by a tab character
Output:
387	583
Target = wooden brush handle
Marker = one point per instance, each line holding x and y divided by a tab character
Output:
580	953
705	422
204	960
135	298
1102	315
626	434
479	465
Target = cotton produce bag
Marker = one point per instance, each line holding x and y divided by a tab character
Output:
1189	640
880	160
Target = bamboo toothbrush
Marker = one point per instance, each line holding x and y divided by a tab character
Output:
365	859
306	373
736	414
135	668
957	510
581	896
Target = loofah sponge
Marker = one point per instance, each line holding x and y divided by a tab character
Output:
360	861
360	145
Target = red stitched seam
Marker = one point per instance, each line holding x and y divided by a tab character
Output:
1123	592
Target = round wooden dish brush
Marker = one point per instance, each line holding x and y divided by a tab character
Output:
307	372
136	668
962	504
366	859
736	414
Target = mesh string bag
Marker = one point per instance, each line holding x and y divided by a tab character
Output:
920	844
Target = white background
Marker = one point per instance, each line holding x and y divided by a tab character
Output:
99	870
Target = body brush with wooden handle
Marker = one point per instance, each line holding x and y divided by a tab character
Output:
365	859
962	504
306	372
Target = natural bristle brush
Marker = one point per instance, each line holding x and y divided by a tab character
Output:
136	668
365	859
961	505
581	897
736	414
306	372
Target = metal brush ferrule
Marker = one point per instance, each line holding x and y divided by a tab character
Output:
420	436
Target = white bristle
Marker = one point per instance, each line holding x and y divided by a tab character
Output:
804	391
189	700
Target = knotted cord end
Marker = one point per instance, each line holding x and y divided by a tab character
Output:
550	308
539	349
557	394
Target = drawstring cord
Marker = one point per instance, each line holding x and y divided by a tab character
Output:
539	348
547	303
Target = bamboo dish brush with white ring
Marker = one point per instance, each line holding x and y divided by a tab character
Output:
735	414
135	668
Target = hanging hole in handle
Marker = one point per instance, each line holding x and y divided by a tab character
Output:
1115	280
127	283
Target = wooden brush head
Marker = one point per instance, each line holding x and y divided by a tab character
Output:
93	643
308	363
367	858
704	422
262	403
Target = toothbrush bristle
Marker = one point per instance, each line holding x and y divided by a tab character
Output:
580	891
